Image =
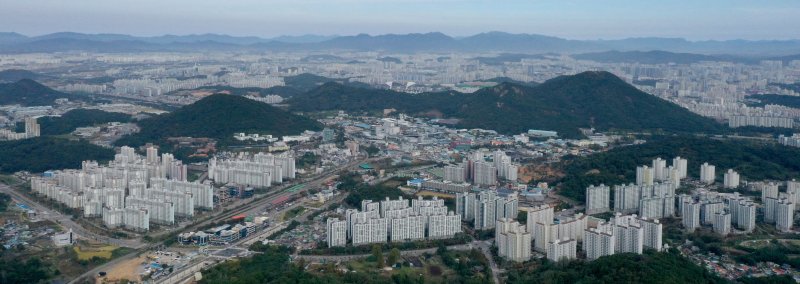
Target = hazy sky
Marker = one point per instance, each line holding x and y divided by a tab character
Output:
577	19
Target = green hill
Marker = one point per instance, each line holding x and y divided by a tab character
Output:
13	75
66	123
564	104
753	161
306	82
650	267
45	153
220	116
28	92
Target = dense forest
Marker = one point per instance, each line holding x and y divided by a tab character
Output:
564	104
256	269
650	267
28	92
306	82
772	99
30	271
5	200
753	161
46	153
359	191
794	86
66	123
220	116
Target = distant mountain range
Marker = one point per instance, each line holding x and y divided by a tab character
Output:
402	43
564	104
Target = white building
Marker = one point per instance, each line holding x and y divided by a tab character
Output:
681	165
136	219
513	240
691	216
455	173
722	223
709	210
598	199
731	179
542	214
784	215
598	242
652	233
627	198
336	232
769	190
707	174
485	174
560	250
660	169
644	175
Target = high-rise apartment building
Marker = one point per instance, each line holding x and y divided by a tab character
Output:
513	240
707	173
598	199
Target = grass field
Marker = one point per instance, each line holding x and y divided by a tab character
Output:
433	193
88	252
755	244
293	212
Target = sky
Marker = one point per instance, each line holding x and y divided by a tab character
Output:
572	19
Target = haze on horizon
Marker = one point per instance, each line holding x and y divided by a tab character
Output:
572	19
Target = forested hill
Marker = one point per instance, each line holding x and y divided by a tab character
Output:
754	161
69	121
220	116
564	104
28	92
46	153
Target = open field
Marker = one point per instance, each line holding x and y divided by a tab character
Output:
128	270
428	193
87	252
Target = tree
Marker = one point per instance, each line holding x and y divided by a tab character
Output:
394	255
377	252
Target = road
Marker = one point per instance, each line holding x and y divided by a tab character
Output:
66	221
484	246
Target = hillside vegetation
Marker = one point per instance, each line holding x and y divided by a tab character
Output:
564	104
650	267
752	160
220	116
46	153
69	121
28	92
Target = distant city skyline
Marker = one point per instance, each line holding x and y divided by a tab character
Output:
571	19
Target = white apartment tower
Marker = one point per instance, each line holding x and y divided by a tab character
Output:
652	233
513	240
660	169
598	242
681	165
560	250
644	175
784	215
722	223
336	232
731	179
691	216
455	173
707	174
598	199
542	214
